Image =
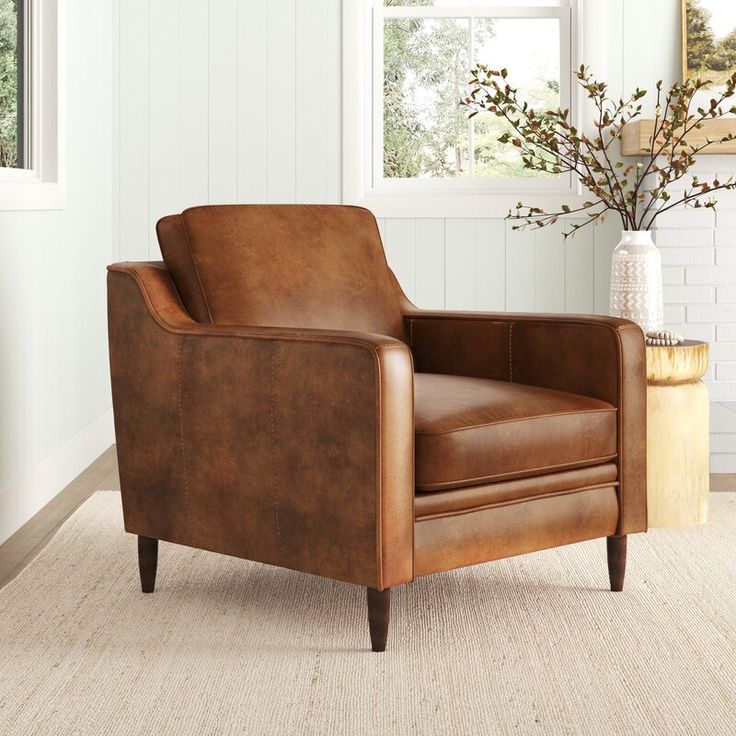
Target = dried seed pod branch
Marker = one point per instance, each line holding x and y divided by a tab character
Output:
550	143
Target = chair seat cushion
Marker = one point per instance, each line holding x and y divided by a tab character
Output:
471	431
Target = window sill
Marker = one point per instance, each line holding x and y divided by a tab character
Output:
16	196
459	204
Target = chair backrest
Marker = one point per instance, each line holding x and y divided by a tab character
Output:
320	266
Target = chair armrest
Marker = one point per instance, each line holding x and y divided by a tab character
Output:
287	446
602	357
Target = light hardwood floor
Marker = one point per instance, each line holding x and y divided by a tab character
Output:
34	535
102	475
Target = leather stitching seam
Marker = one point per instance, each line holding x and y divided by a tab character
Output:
379	476
274	470
518	419
196	270
619	436
529	472
514	501
511	352
197	329
620	433
187	504
500	319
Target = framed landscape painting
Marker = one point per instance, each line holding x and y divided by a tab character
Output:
708	43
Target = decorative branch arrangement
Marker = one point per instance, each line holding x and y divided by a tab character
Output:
550	143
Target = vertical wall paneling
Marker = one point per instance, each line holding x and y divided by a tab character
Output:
460	263
333	77
605	237
311	101
282	114
12	402
134	138
490	265
614	70
36	365
520	270
667	20
549	268
194	85
381	222
579	270
400	245
638	49
430	263
163	168
115	153
223	107
253	103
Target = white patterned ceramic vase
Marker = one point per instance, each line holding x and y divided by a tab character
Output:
636	280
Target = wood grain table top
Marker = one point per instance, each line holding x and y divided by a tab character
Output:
675	364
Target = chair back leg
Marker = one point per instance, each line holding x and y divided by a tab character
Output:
147	562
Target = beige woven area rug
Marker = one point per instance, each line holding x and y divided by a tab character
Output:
532	645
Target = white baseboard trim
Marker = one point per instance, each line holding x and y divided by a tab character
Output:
29	493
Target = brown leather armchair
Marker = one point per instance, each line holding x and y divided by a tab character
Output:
277	398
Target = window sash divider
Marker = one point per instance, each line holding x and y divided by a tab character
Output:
468	11
471	123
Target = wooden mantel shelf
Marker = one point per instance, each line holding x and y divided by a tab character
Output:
636	137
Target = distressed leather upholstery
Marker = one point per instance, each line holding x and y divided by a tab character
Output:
286	446
595	356
264	385
242	265
470	431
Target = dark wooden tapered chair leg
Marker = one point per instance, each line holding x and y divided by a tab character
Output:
147	562
616	547
379	604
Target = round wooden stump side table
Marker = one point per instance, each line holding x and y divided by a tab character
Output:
678	462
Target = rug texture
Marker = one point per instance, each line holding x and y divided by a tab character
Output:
530	645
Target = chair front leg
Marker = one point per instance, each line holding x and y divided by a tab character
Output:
379	604
616	548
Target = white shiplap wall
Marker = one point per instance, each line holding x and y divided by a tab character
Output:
215	108
482	263
234	101
55	408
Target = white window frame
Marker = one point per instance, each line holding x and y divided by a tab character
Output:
363	120
40	186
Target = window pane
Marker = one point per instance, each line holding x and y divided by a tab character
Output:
530	50
426	131
12	143
476	3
